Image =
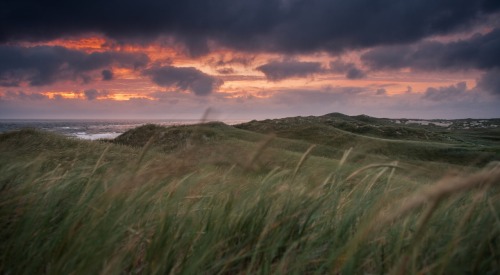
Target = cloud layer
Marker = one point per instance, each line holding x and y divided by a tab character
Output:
184	78
261	56
480	52
350	69
44	65
490	82
280	70
260	25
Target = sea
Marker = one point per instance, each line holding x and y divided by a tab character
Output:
92	129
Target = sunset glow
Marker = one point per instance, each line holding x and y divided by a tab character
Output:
244	71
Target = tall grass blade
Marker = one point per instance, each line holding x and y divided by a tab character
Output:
301	161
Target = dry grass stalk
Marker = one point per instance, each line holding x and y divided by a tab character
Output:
205	116
344	157
145	149
196	131
372	166
302	160
98	163
259	150
442	189
456	234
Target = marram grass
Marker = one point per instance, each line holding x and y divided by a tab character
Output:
78	207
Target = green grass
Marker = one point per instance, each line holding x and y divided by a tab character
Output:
213	199
381	137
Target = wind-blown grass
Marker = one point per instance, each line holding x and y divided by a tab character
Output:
70	206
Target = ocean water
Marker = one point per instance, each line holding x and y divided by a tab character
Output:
91	129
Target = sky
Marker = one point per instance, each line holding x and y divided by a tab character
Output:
249	59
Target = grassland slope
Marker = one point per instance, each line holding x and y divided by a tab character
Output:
214	199
384	137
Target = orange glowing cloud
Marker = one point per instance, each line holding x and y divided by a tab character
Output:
127	96
85	44
62	94
239	71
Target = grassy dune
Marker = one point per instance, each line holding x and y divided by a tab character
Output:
215	199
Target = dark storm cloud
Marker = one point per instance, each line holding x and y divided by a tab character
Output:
44	65
236	60
107	75
279	70
91	94
226	71
451	92
490	82
275	25
355	73
480	51
350	69
184	78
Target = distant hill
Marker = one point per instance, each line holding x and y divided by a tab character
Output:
452	141
405	129
370	138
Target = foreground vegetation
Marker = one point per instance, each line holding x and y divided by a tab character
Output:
214	199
